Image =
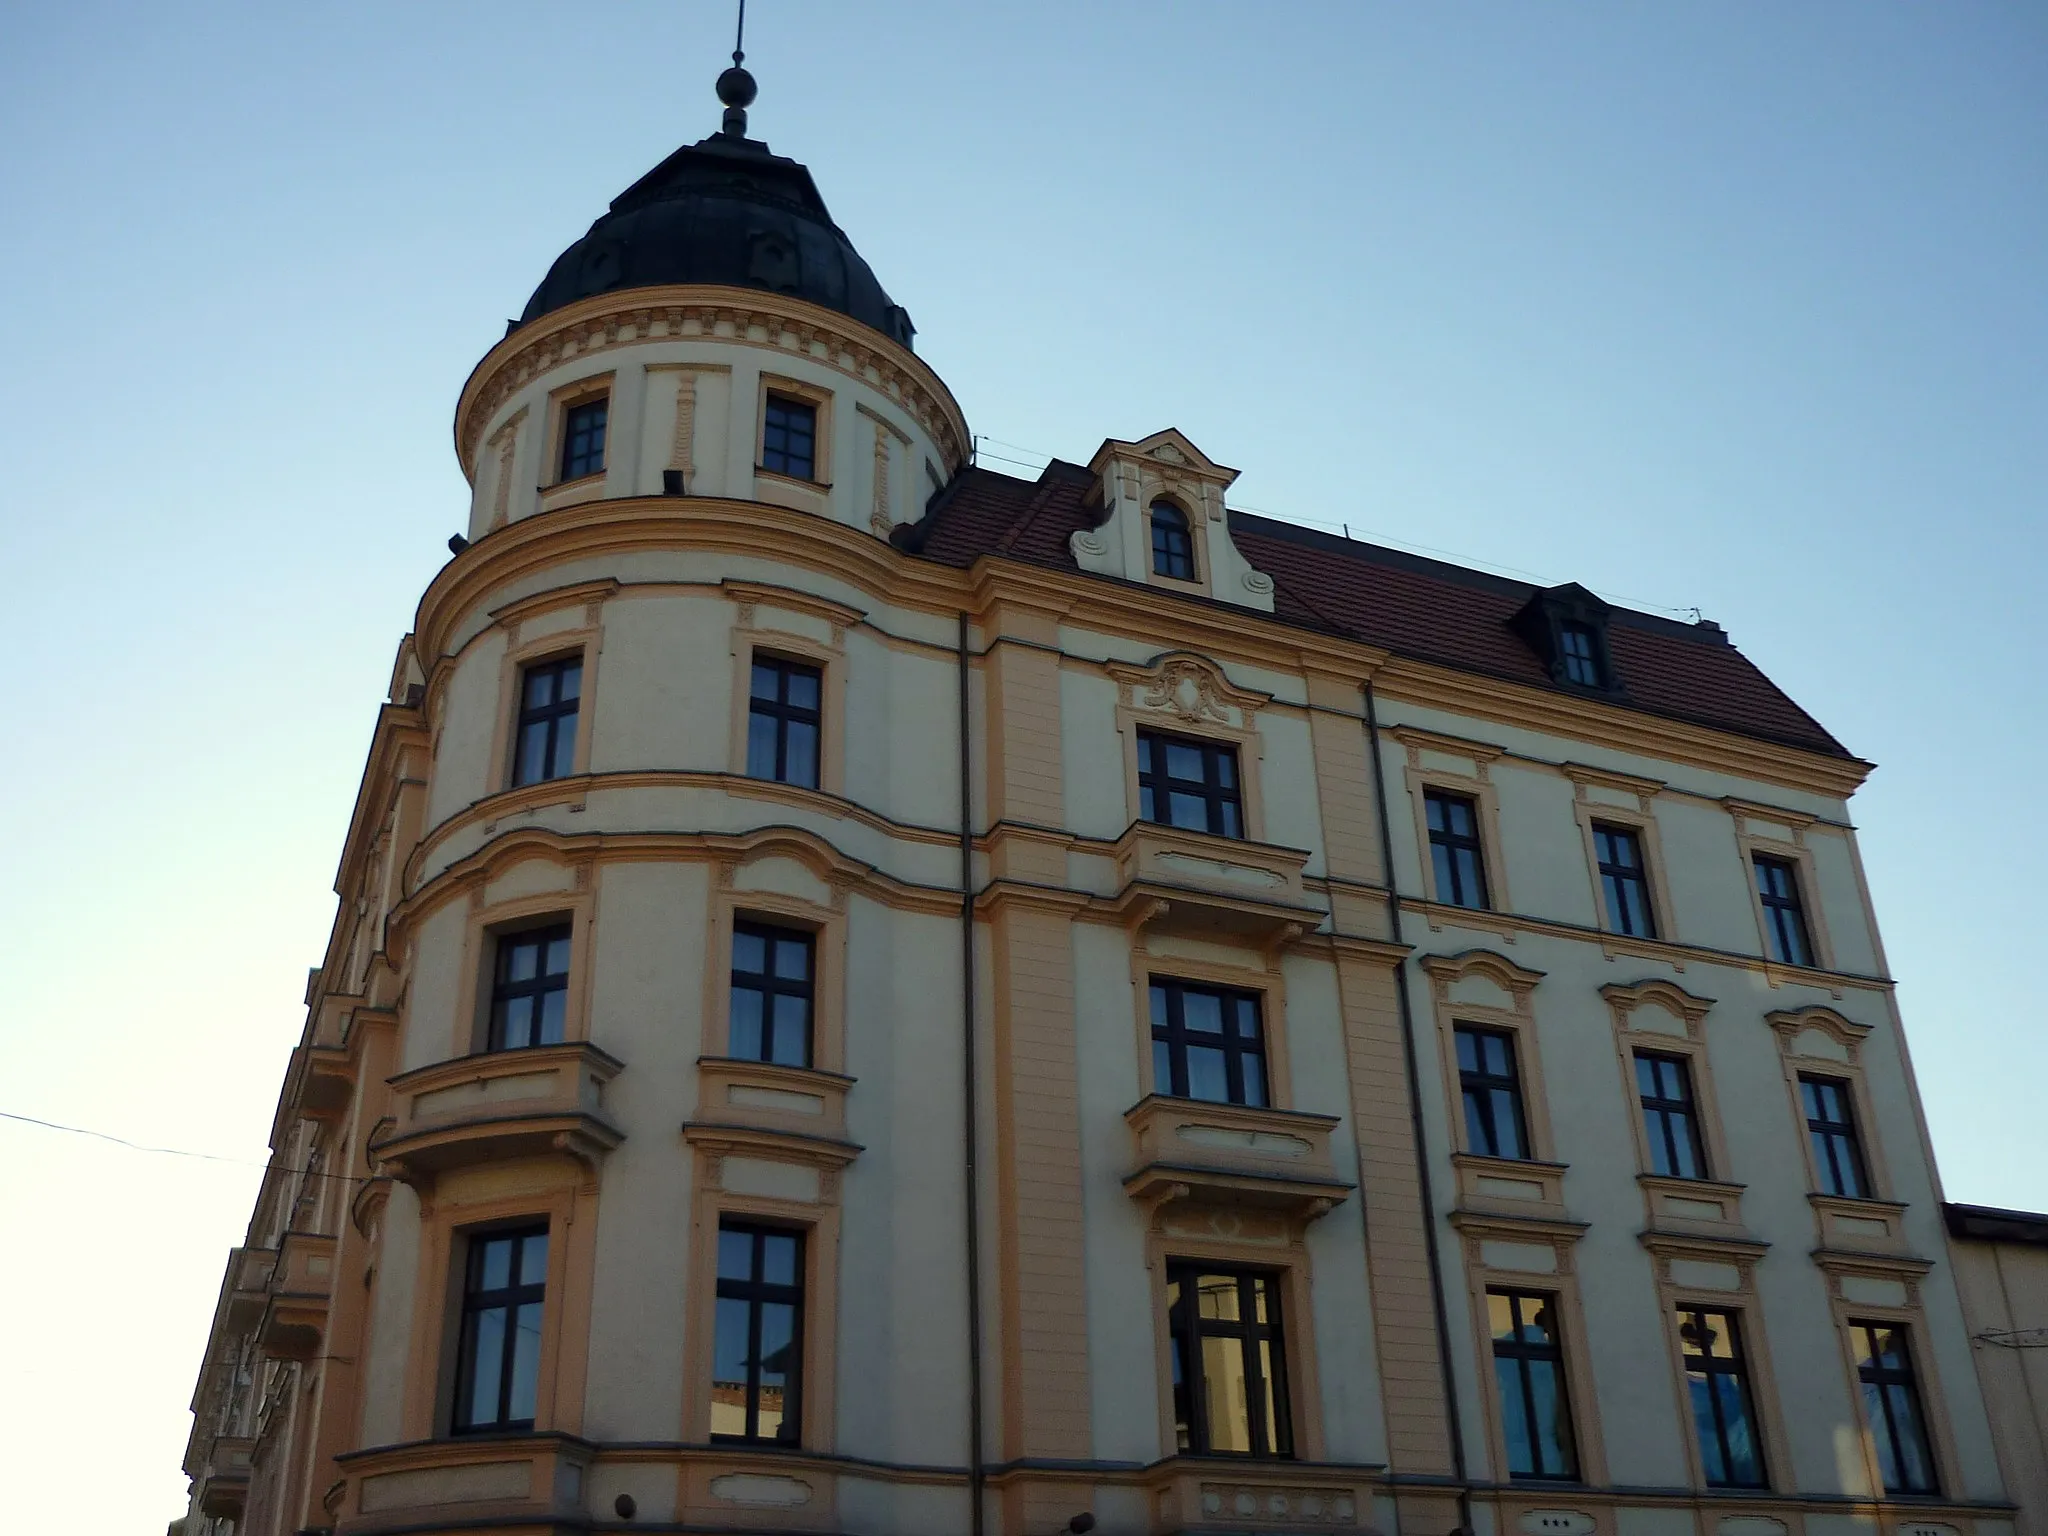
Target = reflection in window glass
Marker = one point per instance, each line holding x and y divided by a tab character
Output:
497	1373
1528	1365
757	1345
1228	1365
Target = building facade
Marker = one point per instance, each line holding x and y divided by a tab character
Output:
871	995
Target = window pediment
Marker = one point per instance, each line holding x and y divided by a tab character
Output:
1182	687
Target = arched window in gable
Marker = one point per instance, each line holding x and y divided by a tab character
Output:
1173	544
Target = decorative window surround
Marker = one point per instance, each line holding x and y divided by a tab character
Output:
548	627
805	495
1622	800
1781	834
1167	962
1821	1041
1480	987
569	899
1871	1288
1167	467
1464	768
554	491
1181	694
796	627
786	882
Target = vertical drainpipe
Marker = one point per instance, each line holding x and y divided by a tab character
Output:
970	1117
1408	1057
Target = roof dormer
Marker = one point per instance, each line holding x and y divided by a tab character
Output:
1566	626
1163	522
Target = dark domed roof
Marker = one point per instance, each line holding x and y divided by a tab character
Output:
723	210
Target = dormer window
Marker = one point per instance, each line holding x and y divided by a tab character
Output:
1567	629
1575	646
1173	546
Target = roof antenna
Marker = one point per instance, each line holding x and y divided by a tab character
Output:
736	87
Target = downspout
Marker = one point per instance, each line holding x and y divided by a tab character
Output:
1408	1058
970	1118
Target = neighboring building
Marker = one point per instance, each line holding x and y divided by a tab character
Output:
2001	1260
862	981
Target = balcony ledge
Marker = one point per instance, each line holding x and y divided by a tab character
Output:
1233	1155
537	1101
1173	878
302	1284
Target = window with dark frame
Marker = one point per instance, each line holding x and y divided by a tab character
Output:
1777	888
1229	1361
1492	1089
1670	1115
1528	1367
789	437
1454	849
1891	1404
784	719
1718	1389
530	988
769	1015
757	1350
583	429
1579	652
1183	782
1173	545
497	1363
544	739
1207	1044
1624	880
1831	1128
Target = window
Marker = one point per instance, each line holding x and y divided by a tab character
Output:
1184	783
1229	1367
1777	887
789	437
1891	1402
544	745
1173	547
1717	1385
1624	880
1576	650
770	1014
1831	1127
530	990
1528	1365
1670	1117
1493	1092
1454	849
583	438
1206	1044
757	1364
783	722
497	1369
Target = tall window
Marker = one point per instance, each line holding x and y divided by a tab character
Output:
1670	1117
1492	1090
544	745
770	1014
1576	647
1723	1413
1187	783
1831	1127
789	438
1454	849
1891	1402
1777	887
783	722
1624	880
1229	1361
497	1365
757	1357
530	988
583	438
1206	1044
1528	1365
1173	546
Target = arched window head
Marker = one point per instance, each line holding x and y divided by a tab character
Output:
1173	546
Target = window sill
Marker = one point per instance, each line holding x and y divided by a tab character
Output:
532	1100
1510	1186
1693	1207
1859	1224
1232	1155
783	477
1174	877
766	1096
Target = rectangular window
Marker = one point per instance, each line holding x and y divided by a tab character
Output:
530	988
1624	880
789	438
583	438
1670	1116
1831	1126
544	745
1777	887
1528	1365
1229	1365
1717	1386
783	721
1206	1044
1891	1402
1581	660
757	1364
1187	783
497	1370
770	1014
1454	849
1493	1092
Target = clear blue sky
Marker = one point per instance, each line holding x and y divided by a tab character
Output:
1735	307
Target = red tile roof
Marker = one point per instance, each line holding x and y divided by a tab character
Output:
1429	610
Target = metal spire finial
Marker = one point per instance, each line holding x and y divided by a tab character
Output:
736	87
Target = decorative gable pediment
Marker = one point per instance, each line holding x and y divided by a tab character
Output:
1167	470
1187	688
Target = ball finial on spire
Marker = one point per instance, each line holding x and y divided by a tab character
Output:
736	86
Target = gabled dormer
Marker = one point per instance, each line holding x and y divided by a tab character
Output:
1161	522
1567	628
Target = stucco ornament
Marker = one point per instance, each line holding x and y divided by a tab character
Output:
1189	690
